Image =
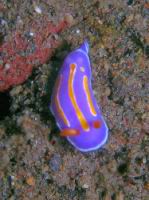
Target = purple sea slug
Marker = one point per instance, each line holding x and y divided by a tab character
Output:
73	103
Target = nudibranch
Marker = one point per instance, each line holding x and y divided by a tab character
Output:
74	106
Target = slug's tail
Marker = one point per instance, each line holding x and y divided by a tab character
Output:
85	46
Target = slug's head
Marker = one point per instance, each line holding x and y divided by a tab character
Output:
80	57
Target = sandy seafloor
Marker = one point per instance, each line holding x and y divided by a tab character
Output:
35	162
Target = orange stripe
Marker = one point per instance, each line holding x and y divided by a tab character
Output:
57	102
69	132
79	114
88	96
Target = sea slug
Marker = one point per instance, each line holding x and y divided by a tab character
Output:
73	103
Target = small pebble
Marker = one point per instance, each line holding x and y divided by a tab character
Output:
38	9
106	66
99	21
77	31
55	162
17	90
30	181
107	91
7	66
120	196
3	22
69	19
102	53
144	160
130	18
31	33
146	5
4	159
12	180
19	20
85	186
146	186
